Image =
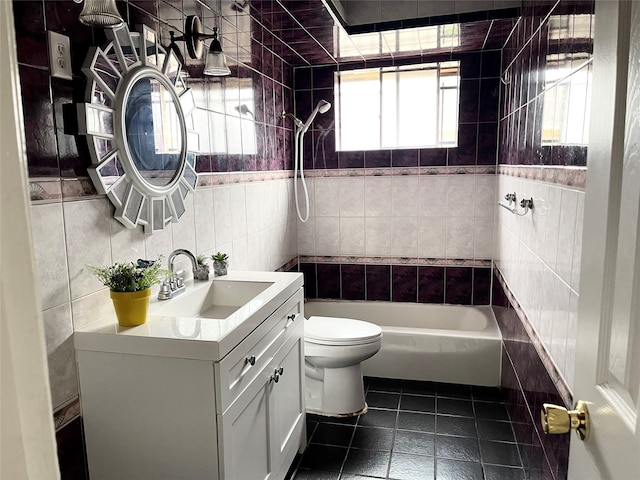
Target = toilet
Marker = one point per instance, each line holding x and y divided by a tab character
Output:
334	349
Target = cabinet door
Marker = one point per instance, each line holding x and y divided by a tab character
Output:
287	403
245	451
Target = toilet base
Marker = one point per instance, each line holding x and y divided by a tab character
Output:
335	391
342	415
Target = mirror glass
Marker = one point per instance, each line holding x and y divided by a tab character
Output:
153	134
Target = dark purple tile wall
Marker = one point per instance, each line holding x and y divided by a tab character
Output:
532	50
527	385
478	112
71	453
257	56
398	283
529	92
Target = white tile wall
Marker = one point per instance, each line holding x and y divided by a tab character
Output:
539	257
251	222
351	194
377	236
86	226
50	254
126	243
432	234
61	355
433	216
203	218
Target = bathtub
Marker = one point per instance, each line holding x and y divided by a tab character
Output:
443	343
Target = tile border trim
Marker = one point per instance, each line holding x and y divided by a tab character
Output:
545	357
419	261
575	177
55	190
67	413
289	265
401	171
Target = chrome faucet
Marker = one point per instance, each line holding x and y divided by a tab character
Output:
199	272
175	284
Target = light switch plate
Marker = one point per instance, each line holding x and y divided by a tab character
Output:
59	56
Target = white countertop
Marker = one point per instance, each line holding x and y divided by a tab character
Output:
191	337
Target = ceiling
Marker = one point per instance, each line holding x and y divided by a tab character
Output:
310	34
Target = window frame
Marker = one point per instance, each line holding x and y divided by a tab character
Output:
439	67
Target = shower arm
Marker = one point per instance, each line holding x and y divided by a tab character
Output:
298	123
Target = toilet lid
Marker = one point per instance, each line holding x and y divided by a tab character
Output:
333	330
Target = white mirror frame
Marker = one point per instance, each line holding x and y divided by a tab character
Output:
112	71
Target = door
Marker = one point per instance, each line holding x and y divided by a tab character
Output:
287	401
27	435
608	342
244	443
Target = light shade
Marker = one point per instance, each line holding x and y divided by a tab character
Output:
216	63
100	13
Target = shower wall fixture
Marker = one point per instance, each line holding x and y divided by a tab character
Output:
298	157
512	206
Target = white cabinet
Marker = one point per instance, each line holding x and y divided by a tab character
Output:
164	417
263	429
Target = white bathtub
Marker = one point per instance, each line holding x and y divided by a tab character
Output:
444	343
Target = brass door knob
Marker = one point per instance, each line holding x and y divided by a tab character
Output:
556	419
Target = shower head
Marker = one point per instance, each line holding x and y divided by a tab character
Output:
323	107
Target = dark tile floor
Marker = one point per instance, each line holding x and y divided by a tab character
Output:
415	431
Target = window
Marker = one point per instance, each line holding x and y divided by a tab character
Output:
398	107
567	100
406	40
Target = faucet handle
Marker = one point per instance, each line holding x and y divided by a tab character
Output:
165	290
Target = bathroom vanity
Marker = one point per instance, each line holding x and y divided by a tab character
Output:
212	386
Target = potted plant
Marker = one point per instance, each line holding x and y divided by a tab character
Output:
130	286
220	262
201	261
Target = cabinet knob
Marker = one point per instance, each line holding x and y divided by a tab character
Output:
276	374
292	317
251	360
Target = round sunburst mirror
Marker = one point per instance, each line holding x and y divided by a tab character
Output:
136	120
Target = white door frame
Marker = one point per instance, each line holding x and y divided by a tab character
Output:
611	452
27	438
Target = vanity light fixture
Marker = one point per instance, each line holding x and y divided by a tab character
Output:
100	13
173	47
216	63
194	36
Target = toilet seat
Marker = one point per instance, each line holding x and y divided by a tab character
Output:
340	331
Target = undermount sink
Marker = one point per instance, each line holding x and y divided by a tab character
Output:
218	299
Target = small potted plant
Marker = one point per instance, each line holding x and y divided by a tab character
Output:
220	262
130	286
201	261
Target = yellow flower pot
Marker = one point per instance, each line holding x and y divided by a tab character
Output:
131	307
